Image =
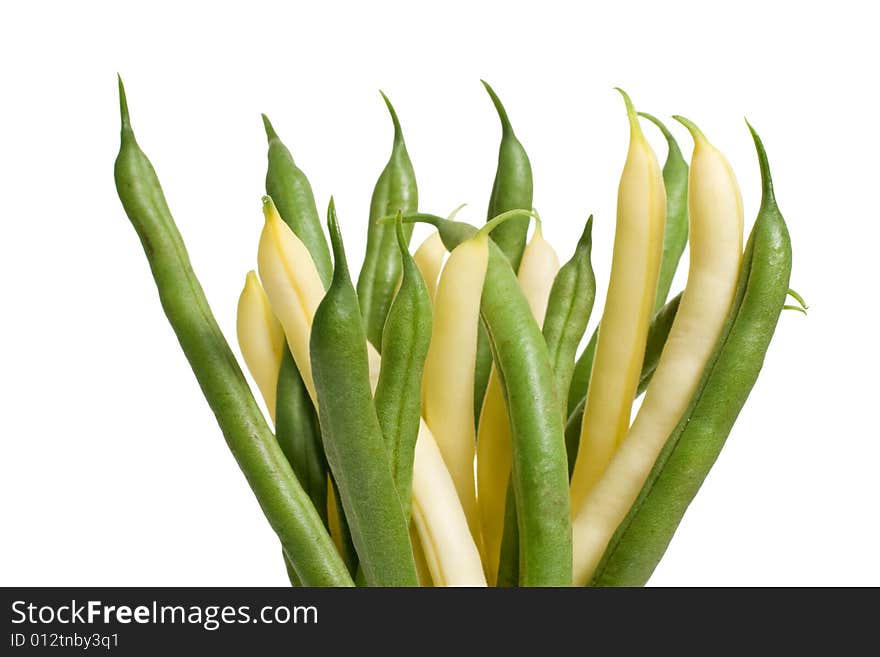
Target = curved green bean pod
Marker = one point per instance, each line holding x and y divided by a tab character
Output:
568	311
405	343
675	236
508	560
539	472
292	194
395	191
298	433
511	190
661	323
642	538
296	423
285	504
580	376
351	432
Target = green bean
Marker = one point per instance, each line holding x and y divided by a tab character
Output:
568	311
296	422
405	343
285	504
580	377
512	190
345	544
508	560
295	581
351	432
661	323
675	181
395	191
692	448
292	194
539	471
675	236
298	433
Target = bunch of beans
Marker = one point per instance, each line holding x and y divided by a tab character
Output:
432	422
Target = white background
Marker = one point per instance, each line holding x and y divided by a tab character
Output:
112	470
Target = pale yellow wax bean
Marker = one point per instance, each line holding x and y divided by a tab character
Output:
429	259
294	294
537	270
716	233
448	380
451	562
292	285
260	338
623	329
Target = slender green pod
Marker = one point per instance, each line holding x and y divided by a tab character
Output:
296	422
508	560
292	194
342	533
294	579
298	433
539	472
568	311
482	371
675	235
661	324
351	432
405	343
692	448
580	376
511	190
285	504
395	191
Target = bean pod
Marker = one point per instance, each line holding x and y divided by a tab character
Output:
661	323
568	311
539	473
405	342
351	432
395	191
285	504
511	190
689	453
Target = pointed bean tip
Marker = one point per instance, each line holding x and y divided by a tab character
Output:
587	234
398	131
506	128
452	214
768	195
635	128
660	126
270	212
270	130
340	265
692	127
123	105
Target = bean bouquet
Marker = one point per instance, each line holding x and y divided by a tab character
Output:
430	420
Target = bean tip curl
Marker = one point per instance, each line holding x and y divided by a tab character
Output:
506	128
398	132
631	113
